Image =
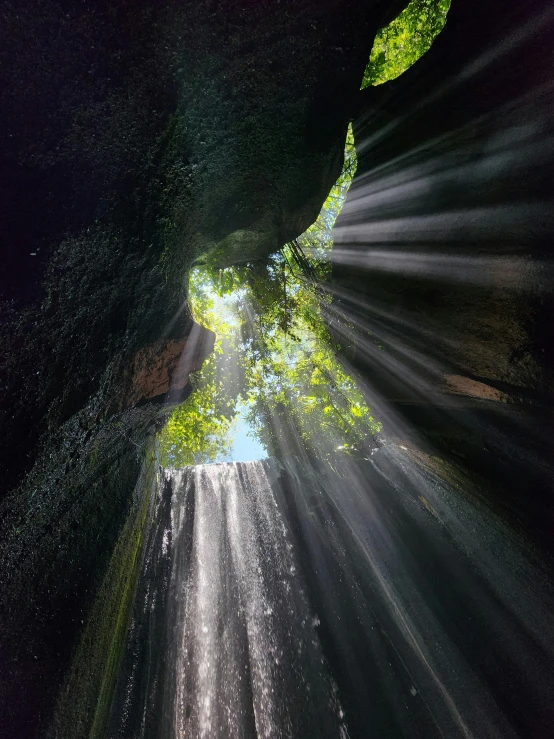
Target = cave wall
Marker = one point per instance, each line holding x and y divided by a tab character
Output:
135	138
82	707
443	261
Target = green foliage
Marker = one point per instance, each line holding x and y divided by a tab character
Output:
273	356
317	240
301	394
405	40
201	429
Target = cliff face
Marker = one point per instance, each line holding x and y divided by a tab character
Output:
442	256
135	138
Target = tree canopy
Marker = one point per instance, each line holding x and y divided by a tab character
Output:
274	358
273	355
405	40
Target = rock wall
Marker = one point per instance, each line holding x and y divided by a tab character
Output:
135	138
443	263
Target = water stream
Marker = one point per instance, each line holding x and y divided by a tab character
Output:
242	654
357	587
291	600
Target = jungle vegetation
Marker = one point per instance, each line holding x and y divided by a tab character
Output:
273	358
405	40
275	365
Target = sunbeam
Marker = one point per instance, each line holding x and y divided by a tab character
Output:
277	369
343	545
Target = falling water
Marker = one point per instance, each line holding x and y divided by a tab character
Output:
242	654
288	600
378	595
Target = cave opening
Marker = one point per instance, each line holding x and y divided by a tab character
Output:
274	380
276	395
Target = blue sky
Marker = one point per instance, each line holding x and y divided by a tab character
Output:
245	448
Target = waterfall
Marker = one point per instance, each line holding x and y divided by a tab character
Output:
291	600
241	652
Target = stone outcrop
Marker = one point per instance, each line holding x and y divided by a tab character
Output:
135	138
166	366
442	258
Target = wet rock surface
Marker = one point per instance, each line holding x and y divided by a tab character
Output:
135	138
138	138
442	262
286	598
